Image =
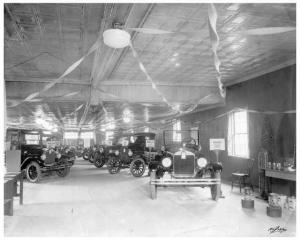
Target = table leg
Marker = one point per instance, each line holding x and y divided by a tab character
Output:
21	188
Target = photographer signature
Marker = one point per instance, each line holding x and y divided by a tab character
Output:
277	229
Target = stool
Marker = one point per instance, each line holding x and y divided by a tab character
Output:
241	180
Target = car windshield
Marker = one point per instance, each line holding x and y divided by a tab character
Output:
173	140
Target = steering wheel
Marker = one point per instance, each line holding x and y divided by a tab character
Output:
189	141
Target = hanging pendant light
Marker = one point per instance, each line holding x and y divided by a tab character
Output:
116	38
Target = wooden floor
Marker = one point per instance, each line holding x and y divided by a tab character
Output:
91	202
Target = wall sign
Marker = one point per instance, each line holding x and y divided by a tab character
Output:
217	144
125	142
150	143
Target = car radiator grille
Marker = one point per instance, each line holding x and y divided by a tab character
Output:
184	167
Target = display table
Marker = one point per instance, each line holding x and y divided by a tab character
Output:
11	180
291	176
285	175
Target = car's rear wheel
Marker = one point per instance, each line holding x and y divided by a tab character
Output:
85	156
137	167
113	165
33	172
216	189
99	160
64	171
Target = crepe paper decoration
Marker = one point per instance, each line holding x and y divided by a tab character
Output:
214	38
149	78
71	94
31	96
68	71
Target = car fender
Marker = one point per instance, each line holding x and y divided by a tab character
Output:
28	160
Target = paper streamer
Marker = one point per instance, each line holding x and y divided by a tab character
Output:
214	38
149	78
68	71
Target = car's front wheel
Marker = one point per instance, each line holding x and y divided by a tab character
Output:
64	171
33	172
99	160
137	167
113	165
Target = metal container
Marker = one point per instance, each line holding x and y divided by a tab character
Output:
291	203
273	199
278	166
274	165
282	200
269	165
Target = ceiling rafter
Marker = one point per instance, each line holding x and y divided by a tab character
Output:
20	34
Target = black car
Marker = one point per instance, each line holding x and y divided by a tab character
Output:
182	164
37	159
135	155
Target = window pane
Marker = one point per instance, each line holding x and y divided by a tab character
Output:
240	121
241	145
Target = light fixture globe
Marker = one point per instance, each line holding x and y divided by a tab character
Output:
116	38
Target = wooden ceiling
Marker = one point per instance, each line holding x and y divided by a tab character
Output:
42	40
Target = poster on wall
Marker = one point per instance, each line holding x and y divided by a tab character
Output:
216	144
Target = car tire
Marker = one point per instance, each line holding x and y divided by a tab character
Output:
64	171
137	167
216	189
85	156
99	160
33	172
113	165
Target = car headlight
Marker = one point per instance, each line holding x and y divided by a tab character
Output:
163	148
130	153
202	162
166	162
117	152
58	155
101	150
43	157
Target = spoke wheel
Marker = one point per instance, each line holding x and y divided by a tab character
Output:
33	172
137	167
64	171
113	165
85	156
99	160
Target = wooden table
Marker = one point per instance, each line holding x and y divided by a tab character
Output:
285	175
11	190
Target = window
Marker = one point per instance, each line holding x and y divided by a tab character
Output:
71	135
109	135
32	139
238	134
176	135
87	135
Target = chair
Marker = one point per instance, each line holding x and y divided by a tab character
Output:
239	178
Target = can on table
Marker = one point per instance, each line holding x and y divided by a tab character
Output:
278	166
274	165
291	202
273	199
269	165
282	200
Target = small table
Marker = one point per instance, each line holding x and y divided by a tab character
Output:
11	189
285	175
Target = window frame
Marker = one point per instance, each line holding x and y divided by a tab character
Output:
177	137
232	153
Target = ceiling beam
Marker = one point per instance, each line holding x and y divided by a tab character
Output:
20	34
260	73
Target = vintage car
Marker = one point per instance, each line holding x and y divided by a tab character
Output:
100	156
88	153
182	164
134	155
36	160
